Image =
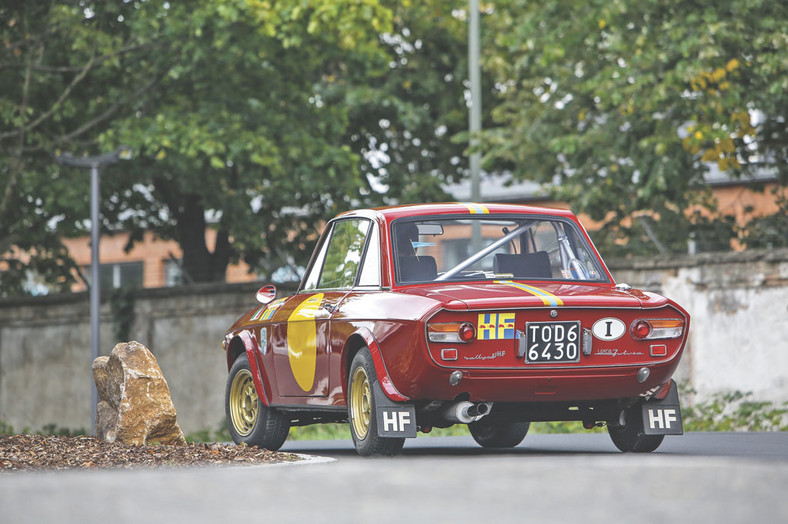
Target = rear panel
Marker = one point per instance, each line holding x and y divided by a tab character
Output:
560	338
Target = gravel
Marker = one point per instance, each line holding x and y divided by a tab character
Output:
44	452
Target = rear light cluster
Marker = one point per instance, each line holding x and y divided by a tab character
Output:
658	328
451	332
641	329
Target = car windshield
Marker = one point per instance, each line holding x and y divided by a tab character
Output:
523	248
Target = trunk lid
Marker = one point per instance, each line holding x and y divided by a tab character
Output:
514	294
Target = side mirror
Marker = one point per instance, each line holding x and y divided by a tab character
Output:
266	294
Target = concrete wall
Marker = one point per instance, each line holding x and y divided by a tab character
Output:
739	307
45	361
738	339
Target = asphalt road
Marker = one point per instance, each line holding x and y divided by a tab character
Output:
698	478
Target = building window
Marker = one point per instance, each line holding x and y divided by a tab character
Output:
122	274
173	275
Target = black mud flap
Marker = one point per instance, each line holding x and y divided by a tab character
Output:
663	417
395	419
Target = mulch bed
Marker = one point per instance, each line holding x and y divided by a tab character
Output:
46	452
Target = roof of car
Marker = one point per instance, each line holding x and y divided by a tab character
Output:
454	208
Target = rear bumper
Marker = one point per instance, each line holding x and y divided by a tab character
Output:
570	385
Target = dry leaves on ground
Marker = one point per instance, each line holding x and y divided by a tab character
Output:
45	452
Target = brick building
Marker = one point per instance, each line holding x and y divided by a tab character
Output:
155	263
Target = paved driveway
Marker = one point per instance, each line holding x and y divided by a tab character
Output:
550	478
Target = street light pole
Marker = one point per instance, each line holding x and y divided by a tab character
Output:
94	163
475	116
95	286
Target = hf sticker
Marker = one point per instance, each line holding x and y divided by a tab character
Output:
496	326
399	421
663	417
662	420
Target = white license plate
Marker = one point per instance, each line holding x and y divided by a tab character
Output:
552	342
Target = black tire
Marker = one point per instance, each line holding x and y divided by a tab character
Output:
489	434
361	409
631	436
250	421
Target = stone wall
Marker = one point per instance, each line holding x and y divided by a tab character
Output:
738	339
739	327
45	360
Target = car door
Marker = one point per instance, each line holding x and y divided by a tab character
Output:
301	356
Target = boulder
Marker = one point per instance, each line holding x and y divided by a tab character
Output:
134	403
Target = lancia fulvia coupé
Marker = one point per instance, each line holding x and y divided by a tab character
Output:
418	317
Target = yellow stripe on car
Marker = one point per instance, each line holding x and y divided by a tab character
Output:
547	298
476	209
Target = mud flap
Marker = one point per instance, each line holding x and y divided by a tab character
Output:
663	417
395	419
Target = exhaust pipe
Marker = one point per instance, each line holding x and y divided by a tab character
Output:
466	412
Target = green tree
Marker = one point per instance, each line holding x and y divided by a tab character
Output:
60	85
238	129
622	105
304	111
259	119
407	109
218	98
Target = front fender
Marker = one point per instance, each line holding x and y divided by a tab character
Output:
251	348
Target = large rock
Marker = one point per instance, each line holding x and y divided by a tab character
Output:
134	400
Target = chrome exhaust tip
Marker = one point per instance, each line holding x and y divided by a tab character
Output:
466	412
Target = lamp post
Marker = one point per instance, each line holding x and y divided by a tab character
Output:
94	163
475	116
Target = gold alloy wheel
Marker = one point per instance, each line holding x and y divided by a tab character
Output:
360	403
243	403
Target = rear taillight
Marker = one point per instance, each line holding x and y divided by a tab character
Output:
656	328
640	329
451	332
467	332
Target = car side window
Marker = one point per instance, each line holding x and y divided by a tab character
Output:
343	254
370	270
314	273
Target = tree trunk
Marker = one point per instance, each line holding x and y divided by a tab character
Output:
198	263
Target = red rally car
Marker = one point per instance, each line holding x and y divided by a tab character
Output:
424	316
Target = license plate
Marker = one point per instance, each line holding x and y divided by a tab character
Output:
552	342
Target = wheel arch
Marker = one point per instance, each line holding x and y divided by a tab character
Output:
357	341
234	349
244	342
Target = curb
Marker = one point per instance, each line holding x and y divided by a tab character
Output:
306	460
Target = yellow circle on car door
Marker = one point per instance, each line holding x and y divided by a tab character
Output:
302	341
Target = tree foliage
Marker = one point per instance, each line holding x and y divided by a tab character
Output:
623	105
257	118
236	129
263	118
61	82
407	110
